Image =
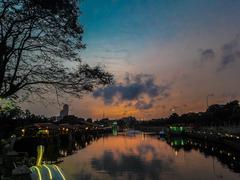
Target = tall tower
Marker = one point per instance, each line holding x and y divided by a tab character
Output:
64	111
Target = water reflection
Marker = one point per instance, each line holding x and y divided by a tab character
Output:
134	165
138	157
223	154
55	148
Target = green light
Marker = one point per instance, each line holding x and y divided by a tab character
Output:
176	129
182	142
114	131
114	128
175	143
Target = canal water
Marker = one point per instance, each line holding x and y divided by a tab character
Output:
144	156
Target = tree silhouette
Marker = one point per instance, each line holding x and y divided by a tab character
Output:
40	42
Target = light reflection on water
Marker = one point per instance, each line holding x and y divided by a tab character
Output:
142	157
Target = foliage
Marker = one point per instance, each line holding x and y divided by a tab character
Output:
40	43
216	115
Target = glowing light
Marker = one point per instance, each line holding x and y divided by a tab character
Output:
176	129
49	172
40	150
176	153
46	131
38	172
60	172
114	128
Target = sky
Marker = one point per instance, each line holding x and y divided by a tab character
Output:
166	55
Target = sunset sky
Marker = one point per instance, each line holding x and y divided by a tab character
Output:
167	56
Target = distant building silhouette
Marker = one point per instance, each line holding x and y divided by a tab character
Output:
64	111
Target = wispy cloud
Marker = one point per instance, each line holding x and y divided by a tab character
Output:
207	55
230	53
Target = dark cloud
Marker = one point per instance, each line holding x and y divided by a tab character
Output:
207	55
144	105
230	53
133	88
227	59
127	164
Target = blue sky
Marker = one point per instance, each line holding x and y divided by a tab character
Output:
188	48
138	23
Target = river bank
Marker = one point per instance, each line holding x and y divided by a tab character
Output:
228	136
